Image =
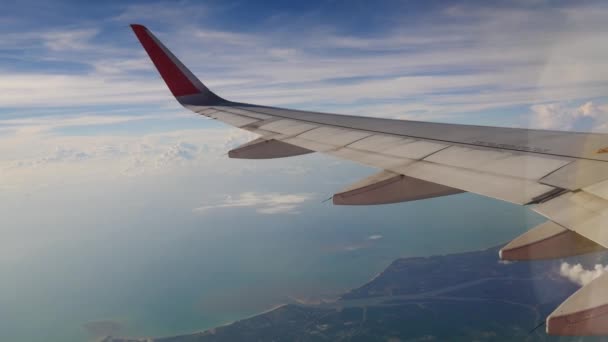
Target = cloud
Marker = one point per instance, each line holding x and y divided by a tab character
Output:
70	40
560	116
160	13
476	60
577	274
32	156
265	203
375	237
41	125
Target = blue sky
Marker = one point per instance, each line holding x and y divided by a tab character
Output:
94	150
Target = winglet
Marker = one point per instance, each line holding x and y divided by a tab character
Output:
181	82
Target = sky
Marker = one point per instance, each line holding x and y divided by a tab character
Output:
94	150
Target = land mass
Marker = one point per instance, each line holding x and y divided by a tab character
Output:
462	297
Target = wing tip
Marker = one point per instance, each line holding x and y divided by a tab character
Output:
138	27
181	82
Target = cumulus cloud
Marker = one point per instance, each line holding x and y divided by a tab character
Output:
265	203
579	275
33	154
560	116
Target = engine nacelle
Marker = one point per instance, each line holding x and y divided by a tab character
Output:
266	149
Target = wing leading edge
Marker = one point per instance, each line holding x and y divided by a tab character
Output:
561	175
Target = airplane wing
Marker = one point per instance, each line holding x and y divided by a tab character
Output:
561	175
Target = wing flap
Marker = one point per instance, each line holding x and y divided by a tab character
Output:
416	149
244	112
379	143
288	127
233	119
581	212
577	175
598	189
334	136
499	162
510	189
377	160
310	144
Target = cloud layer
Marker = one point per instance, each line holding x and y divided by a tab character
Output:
559	116
264	203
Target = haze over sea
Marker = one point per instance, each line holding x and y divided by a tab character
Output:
150	265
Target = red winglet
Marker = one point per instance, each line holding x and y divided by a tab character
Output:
176	80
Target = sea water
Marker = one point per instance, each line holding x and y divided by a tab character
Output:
139	261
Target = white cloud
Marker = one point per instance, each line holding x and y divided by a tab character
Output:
39	125
579	275
159	12
560	116
375	237
69	40
265	203
31	157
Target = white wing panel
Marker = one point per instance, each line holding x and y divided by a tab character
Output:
370	158
233	119
498	162
510	189
579	174
415	150
288	127
599	189
203	110
526	166
245	113
466	157
309	144
379	143
334	136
